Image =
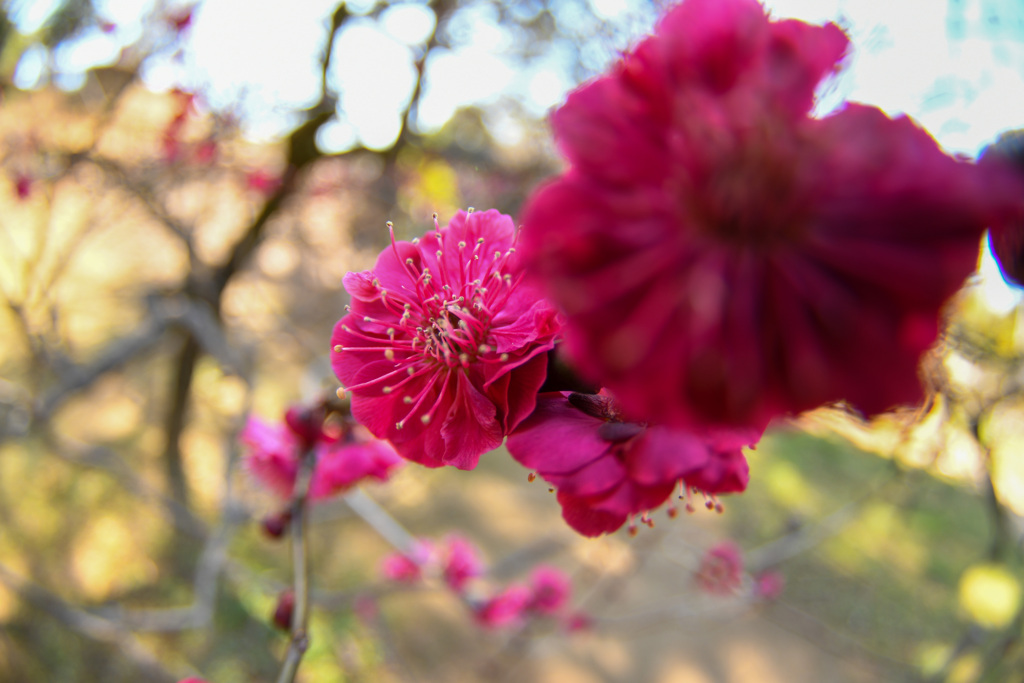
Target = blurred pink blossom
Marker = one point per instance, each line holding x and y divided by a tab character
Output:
769	586
275	451
507	608
550	589
408	568
721	569
722	256
262	181
460	562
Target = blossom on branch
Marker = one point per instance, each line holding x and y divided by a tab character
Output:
721	569
460	562
344	456
722	256
607	469
444	346
550	589
507	608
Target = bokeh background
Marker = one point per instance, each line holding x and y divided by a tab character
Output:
182	189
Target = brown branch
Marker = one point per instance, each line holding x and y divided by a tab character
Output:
89	625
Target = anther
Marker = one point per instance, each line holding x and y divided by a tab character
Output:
503	357
709	505
470	210
483	348
338	348
407	400
399	424
389	354
425	419
340	393
387	390
672	512
531	477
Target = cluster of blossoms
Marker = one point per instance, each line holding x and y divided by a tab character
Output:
714	256
345	454
456	561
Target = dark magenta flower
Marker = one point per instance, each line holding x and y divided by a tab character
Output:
1007	238
444	347
607	470
344	459
722	256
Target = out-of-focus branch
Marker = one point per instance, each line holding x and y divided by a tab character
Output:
89	625
164	312
118	175
208	570
380	521
300	568
809	536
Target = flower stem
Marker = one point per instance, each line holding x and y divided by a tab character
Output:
300	568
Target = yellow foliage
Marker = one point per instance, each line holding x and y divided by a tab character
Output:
104	558
990	595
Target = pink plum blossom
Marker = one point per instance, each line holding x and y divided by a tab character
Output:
721	569
507	608
408	568
769	586
722	256
460	562
607	469
444	346
550	589
275	451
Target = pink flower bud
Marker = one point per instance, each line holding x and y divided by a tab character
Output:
284	609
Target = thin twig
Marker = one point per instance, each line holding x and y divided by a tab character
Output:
381	522
300	567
